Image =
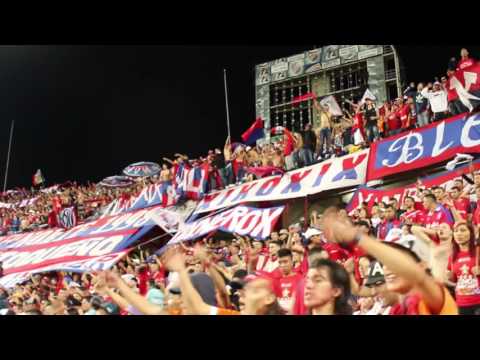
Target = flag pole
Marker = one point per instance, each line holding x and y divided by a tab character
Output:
226	102
8	156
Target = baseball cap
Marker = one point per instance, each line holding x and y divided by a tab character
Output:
376	275
312	232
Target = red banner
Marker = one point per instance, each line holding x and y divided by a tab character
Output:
372	196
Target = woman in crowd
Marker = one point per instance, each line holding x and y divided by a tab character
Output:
463	269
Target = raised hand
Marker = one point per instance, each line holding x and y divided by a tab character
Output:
338	231
200	252
174	260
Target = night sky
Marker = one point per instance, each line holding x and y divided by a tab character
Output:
85	112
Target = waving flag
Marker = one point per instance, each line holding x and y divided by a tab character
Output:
289	142
264	171
464	82
304	97
254	133
116	181
142	169
67	218
179	178
38	178
196	182
368	95
332	104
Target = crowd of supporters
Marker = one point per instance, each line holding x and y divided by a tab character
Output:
328	136
25	210
418	257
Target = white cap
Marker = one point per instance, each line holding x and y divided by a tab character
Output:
312	232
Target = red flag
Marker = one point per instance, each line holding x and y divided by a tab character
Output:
464	82
289	144
304	97
254	132
263	171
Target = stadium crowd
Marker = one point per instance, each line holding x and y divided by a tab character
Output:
418	257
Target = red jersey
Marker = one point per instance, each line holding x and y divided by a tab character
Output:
143	282
286	289
299	307
237	165
158	275
357	121
385	226
451	92
419	206
56	204
336	252
463	207
438	216
393	121
402	113
464	63
476	214
467	290
416	216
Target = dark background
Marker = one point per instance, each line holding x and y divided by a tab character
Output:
85	112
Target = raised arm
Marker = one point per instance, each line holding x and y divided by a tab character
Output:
356	289
456	215
396	260
131	297
423	233
168	161
175	261
200	253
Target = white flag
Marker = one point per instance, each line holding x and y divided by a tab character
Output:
169	221
332	105
463	94
368	95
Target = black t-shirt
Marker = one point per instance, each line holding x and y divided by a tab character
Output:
309	139
219	161
370	114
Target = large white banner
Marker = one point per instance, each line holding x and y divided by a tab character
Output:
242	220
90	246
336	173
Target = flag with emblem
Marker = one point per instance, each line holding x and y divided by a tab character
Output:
38	178
67	218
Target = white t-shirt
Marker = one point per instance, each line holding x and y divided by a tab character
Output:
438	100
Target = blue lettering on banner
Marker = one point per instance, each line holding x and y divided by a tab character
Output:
268	187
430	142
322	173
243	192
294	185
